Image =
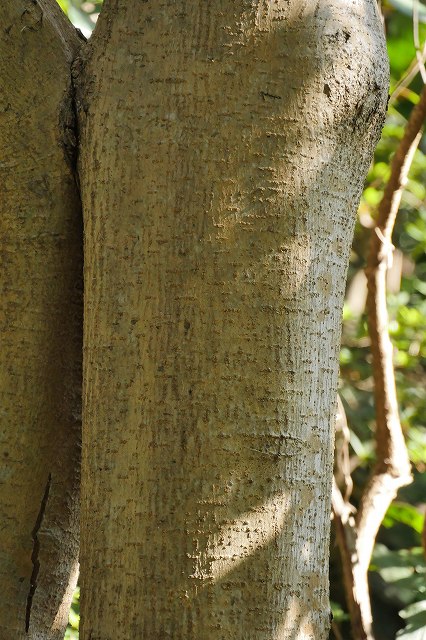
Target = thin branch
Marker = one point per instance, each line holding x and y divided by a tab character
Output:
355	584
410	74
419	53
336	632
346	537
392	469
342	463
356	536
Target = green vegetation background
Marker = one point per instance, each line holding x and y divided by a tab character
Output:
398	570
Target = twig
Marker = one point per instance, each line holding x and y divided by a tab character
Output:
419	53
410	74
344	525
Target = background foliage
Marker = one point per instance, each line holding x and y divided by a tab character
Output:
398	569
81	13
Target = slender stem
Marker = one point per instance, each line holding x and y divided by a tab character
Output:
392	469
344	525
336	632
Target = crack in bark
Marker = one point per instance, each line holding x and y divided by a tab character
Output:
265	94
69	127
36	550
68	119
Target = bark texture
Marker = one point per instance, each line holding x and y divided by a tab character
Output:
40	322
223	151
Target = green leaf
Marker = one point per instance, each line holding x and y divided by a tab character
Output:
417	444
413	609
415	617
372	196
81	20
404	513
404	573
64	4
338	614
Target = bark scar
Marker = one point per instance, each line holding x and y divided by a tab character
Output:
265	94
36	550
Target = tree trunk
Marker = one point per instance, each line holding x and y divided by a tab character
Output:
223	151
40	323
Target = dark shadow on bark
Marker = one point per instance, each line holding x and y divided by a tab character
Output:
242	419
